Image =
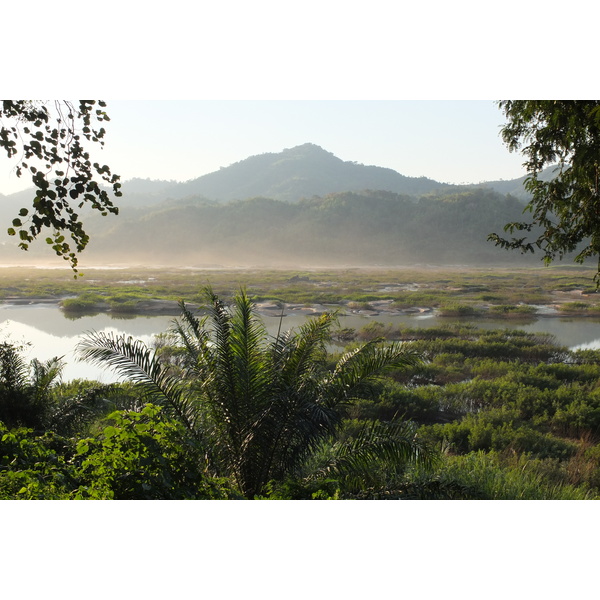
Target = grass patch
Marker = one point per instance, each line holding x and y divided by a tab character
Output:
459	310
511	310
580	308
436	287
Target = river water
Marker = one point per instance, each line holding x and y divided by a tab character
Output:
51	334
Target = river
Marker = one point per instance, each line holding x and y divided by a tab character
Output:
50	333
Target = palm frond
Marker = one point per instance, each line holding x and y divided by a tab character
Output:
247	343
357	369
193	335
378	449
295	354
133	360
14	369
73	413
290	429
45	375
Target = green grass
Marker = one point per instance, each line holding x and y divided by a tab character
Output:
434	287
511	310
456	309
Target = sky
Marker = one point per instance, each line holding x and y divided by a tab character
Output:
449	141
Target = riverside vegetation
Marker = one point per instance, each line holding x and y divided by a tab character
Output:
216	409
501	290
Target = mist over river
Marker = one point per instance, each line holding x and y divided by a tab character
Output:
50	333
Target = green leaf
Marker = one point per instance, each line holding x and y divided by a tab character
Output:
109	431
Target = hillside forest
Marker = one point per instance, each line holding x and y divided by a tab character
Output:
300	207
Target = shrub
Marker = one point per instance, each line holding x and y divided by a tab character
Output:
86	303
375	330
34	467
144	456
500	430
512	310
393	400
458	310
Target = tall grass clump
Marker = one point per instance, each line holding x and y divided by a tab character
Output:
519	478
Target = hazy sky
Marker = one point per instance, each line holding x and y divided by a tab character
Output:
449	141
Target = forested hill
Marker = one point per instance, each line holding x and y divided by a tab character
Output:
301	206
349	228
301	172
290	175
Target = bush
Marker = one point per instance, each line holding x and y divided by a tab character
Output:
500	430
143	456
34	467
458	310
86	303
291	489
512	310
375	330
393	400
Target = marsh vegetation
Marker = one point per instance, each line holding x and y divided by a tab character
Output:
461	411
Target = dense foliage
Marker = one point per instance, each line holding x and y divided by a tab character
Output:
564	209
515	415
262	409
141	456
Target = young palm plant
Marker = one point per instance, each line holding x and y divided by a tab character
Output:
26	388
260	406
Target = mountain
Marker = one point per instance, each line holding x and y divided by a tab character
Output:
300	172
299	206
290	175
515	187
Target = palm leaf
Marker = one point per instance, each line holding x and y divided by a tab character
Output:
296	353
14	369
377	447
358	369
133	360
72	414
45	375
190	331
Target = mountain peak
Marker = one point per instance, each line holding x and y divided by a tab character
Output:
308	150
299	172
307	147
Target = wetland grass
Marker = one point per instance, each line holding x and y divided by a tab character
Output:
447	289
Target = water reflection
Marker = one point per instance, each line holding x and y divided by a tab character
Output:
51	334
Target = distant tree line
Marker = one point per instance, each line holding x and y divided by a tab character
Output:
359	228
